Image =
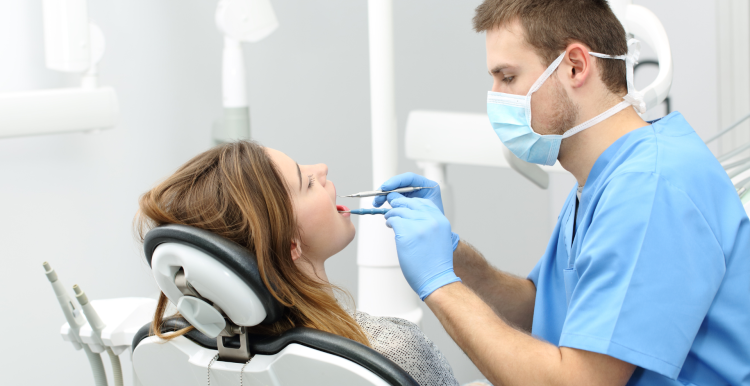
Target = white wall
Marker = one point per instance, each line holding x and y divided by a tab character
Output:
691	26
69	199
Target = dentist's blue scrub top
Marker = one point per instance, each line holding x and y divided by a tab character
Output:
658	274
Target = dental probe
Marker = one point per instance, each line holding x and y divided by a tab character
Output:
367	211
383	193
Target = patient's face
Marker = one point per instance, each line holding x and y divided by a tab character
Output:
324	230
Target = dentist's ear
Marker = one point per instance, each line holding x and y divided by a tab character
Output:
579	63
296	251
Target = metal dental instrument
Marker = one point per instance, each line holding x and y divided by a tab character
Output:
367	211
383	193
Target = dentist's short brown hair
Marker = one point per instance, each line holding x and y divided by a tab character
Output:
551	25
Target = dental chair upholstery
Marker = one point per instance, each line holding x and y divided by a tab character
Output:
196	268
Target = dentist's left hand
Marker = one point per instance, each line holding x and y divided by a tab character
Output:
424	244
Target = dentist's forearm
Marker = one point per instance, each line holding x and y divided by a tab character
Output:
510	296
507	356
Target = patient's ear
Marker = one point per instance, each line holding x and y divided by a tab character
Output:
296	251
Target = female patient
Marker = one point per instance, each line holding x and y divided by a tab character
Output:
286	214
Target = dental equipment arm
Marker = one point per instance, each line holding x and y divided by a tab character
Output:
239	21
646	27
75	320
97	325
72	44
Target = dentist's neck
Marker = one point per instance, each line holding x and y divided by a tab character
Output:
579	152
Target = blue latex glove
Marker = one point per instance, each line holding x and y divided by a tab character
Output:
423	242
411	179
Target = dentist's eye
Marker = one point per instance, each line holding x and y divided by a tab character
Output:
508	79
311	179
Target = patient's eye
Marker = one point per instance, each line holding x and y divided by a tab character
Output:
311	179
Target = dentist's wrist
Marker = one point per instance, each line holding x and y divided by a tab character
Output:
442	279
455	239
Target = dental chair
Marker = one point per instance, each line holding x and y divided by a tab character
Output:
216	286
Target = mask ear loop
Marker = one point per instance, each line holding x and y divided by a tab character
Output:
550	69
631	59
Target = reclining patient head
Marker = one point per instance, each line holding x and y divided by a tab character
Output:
282	212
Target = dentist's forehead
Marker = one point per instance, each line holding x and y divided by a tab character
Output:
507	48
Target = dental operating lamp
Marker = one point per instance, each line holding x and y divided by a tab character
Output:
239	21
72	45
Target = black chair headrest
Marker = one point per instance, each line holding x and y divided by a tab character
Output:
234	256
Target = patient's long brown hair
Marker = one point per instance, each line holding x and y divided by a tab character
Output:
236	191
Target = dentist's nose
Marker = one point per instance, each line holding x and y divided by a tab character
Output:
495	85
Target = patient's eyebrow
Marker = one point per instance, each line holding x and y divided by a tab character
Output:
299	174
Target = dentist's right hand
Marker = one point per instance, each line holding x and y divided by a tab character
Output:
410	179
423	242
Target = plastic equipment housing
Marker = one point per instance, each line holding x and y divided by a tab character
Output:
66	35
57	111
122	316
232	259
301	356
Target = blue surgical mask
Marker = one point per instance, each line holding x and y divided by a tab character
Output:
510	114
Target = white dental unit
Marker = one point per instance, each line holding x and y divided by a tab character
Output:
186	262
239	21
72	45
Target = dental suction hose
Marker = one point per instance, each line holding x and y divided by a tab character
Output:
75	320
97	325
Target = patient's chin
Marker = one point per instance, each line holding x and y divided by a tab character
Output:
346	236
352	232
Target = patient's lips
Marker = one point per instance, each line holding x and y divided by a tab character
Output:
341	208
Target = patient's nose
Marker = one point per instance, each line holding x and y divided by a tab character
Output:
321	172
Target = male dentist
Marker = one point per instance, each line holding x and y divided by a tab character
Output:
646	279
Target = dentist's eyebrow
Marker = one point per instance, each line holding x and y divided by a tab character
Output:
498	69
299	174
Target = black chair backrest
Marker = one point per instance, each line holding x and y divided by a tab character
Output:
234	256
315	339
244	264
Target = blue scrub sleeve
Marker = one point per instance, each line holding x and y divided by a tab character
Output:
648	271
